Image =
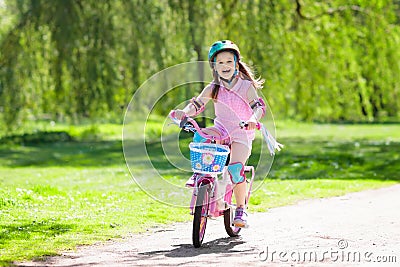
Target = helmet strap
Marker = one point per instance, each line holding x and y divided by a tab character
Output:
229	81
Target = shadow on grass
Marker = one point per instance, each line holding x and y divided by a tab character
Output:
325	159
26	231
303	159
300	158
34	231
73	153
82	154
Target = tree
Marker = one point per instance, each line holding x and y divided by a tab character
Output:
74	60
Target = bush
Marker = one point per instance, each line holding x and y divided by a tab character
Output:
39	137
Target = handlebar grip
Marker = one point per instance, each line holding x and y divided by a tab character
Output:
244	124
181	121
172	114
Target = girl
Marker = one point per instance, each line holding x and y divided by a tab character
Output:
233	91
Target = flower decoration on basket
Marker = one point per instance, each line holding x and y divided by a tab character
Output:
198	165
208	158
216	168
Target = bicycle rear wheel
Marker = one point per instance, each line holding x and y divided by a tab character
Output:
200	215
231	230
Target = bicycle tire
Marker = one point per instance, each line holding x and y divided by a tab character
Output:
200	216
231	230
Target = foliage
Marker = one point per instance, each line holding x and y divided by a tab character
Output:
322	60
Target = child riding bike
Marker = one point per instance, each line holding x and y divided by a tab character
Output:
234	93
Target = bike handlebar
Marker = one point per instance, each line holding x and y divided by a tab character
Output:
189	124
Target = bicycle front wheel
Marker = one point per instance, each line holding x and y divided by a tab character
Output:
231	230
200	215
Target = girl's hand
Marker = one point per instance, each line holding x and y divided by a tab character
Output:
179	114
251	125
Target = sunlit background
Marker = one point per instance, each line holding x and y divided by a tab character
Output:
70	68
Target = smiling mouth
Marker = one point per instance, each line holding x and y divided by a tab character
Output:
226	71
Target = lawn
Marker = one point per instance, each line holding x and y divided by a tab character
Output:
75	188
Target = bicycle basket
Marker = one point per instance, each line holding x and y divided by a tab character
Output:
208	158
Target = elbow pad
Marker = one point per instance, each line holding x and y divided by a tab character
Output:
258	103
198	105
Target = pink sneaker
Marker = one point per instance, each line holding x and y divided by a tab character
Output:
240	218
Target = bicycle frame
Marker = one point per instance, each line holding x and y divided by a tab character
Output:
213	188
211	203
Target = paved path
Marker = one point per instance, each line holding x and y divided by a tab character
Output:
358	229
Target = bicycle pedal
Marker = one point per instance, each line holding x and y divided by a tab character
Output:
241	226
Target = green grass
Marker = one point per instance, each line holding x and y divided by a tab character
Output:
54	196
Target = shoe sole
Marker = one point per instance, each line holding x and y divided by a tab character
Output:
240	224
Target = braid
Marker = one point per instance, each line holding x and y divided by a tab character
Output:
215	90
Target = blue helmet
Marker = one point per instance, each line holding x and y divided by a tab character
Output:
224	45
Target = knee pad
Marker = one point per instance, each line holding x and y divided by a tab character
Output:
236	172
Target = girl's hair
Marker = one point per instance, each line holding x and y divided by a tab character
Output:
245	72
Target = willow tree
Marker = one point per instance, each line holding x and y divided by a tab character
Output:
322	60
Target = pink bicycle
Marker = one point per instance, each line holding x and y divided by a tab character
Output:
212	196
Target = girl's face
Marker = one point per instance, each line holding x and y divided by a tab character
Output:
225	64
